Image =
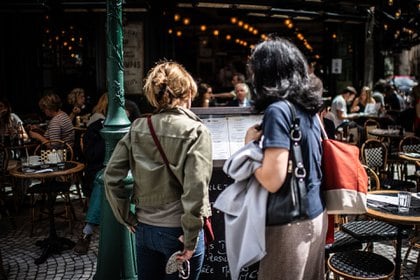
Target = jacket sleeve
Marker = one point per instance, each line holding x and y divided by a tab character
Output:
116	192
197	173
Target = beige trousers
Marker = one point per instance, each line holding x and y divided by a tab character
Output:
295	251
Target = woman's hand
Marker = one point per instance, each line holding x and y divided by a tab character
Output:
35	135
253	133
76	110
185	255
131	229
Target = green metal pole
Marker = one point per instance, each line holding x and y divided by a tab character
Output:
117	255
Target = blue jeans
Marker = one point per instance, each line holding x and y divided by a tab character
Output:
154	247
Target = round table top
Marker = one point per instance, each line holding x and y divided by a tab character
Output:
70	167
410	156
391	214
395	133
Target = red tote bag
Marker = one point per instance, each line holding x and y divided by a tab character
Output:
345	181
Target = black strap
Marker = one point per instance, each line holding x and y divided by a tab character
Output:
159	146
296	151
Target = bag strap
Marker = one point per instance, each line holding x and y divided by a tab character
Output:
159	147
296	151
321	125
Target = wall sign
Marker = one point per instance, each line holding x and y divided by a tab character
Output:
336	65
133	58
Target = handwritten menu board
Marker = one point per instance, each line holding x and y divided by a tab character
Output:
228	126
216	265
228	133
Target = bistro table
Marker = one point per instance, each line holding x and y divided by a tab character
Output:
383	205
391	134
53	243
413	157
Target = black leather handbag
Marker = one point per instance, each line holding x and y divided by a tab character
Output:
288	204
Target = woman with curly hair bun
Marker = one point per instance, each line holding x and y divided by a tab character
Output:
170	210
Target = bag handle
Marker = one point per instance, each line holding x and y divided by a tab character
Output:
321	125
159	147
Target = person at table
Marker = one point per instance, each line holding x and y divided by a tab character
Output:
241	92
60	126
236	78
10	123
204	96
338	112
393	100
171	210
361	101
132	110
76	104
94	155
280	73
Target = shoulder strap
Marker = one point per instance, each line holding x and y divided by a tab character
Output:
159	147
321	125
296	151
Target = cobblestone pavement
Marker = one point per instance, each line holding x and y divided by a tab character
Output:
18	250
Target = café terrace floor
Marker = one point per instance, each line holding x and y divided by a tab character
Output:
18	251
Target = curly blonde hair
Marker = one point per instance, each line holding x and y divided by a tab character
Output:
167	83
74	94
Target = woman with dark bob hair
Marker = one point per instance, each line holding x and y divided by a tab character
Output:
280	72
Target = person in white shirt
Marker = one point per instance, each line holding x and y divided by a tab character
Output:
339	106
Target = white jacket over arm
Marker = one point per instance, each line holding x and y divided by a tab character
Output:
244	203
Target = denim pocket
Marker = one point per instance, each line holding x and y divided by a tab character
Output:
169	241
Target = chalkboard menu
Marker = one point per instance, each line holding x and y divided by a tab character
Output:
228	126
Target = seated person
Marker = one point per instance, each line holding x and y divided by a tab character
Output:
10	122
76	104
203	98
94	153
360	103
241	92
132	110
339	106
60	126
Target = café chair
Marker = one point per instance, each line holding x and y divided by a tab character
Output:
342	242
6	183
414	242
60	185
374	183
369	125
374	154
360	265
409	144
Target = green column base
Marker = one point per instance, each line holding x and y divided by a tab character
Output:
117	250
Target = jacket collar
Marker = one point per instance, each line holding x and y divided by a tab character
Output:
181	111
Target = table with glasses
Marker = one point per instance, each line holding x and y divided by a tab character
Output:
383	205
53	243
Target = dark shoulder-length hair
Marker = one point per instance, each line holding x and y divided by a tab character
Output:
279	71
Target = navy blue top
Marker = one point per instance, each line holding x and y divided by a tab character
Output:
276	129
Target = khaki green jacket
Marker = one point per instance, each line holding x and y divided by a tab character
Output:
188	147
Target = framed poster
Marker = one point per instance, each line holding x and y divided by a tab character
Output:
133	58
